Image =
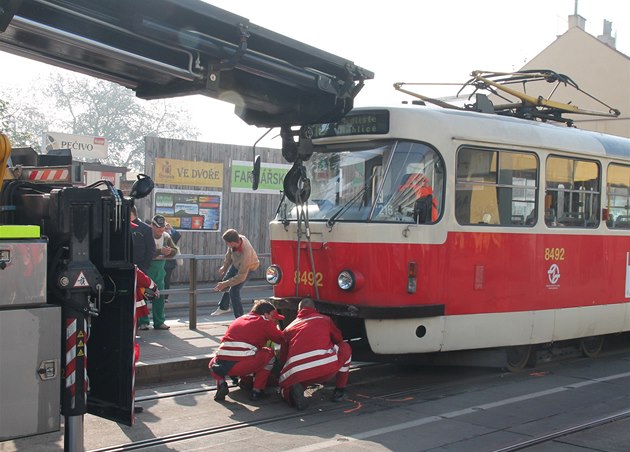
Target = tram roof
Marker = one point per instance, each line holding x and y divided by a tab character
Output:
469	125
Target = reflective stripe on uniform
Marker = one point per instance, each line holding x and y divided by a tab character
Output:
238	345
235	353
310	354
346	365
242	349
308	365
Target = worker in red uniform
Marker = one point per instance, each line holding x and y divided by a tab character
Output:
143	282
242	350
315	353
146	289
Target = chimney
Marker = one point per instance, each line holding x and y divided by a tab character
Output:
607	37
575	20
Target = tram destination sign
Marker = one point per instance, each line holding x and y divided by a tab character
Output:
369	122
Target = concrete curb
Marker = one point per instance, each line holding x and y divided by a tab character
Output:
173	369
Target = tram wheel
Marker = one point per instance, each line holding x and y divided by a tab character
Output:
591	346
517	357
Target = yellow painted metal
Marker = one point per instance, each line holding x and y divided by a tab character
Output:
485	77
537	101
5	151
19	232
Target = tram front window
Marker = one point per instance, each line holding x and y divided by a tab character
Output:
384	182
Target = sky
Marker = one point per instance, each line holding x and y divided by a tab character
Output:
398	40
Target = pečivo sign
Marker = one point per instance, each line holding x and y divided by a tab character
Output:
84	146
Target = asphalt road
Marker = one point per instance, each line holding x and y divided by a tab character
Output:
389	407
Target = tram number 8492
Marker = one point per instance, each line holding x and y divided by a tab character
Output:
554	254
309	278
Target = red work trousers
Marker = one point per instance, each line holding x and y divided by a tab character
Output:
259	364
338	370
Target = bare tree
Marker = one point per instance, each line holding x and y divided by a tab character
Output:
23	124
4	120
86	106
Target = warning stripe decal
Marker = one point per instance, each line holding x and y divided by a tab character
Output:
48	175
71	352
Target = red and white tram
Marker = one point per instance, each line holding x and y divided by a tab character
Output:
435	230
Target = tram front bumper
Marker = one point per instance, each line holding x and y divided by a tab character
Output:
363	312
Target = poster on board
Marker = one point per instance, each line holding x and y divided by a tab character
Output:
189	210
188	172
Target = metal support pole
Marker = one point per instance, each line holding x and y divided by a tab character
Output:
192	295
73	434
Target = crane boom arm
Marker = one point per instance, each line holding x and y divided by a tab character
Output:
169	48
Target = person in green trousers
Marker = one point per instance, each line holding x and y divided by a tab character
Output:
164	248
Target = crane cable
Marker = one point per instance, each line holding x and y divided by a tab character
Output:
303	187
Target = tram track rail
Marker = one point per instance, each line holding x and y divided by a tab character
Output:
353	368
565	432
192	434
366	401
185	392
431	387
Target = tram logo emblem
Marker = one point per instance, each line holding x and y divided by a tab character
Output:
554	276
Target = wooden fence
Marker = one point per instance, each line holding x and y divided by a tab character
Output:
248	213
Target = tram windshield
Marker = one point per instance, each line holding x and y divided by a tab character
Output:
391	181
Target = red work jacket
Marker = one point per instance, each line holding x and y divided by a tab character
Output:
246	335
311	346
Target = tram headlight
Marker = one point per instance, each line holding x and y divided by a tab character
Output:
273	274
346	280
349	280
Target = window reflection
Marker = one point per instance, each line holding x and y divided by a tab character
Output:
386	182
618	191
496	187
572	193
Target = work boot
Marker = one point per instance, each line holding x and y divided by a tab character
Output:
257	395
338	395
297	397
222	391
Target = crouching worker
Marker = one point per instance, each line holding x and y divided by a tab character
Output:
242	350
315	353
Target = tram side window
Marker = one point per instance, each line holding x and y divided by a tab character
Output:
572	193
496	187
618	191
